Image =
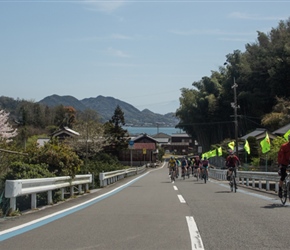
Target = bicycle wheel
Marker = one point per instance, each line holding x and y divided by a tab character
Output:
284	192
234	187
172	176
231	183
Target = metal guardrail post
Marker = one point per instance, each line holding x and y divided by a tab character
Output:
49	197
33	201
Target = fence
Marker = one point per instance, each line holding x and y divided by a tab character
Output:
16	188
107	178
260	180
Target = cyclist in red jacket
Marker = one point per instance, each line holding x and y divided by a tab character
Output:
283	162
232	162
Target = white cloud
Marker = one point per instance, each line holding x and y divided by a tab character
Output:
121	37
209	32
117	53
107	6
246	16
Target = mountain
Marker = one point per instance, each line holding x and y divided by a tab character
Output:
105	107
67	100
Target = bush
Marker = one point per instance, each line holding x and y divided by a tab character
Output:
20	170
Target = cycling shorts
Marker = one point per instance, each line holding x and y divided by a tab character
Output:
283	172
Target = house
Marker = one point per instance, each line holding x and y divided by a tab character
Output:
61	134
142	149
64	132
180	143
162	139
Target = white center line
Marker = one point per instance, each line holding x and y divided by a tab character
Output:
181	198
196	241
175	188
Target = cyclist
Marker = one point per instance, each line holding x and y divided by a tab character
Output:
204	166
172	168
184	165
178	163
197	165
189	166
283	162
192	160
232	162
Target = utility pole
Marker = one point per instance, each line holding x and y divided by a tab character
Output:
235	106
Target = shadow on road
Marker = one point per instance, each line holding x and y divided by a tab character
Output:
271	206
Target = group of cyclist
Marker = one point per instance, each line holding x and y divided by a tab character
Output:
188	165
198	167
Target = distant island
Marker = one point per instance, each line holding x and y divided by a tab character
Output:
105	107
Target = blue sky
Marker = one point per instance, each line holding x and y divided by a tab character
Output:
140	52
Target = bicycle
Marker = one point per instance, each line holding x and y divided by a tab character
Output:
232	179
172	175
286	187
196	173
183	172
188	171
204	174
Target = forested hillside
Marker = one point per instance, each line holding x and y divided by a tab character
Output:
49	111
263	78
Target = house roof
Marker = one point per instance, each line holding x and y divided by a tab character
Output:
162	140
161	135
136	139
283	130
66	130
180	135
259	133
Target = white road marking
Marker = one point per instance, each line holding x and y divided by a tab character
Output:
181	199
175	188
196	241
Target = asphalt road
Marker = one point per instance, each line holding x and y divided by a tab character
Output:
149	212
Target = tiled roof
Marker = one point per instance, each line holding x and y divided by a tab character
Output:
135	139
283	130
180	135
254	133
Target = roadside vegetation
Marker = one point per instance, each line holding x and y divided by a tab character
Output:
21	157
262	74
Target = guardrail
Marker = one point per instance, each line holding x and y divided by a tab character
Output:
261	180
16	188
107	178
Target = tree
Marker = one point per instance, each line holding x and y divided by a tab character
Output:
6	130
280	115
118	137
60	158
91	139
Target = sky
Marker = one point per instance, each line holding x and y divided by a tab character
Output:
140	52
